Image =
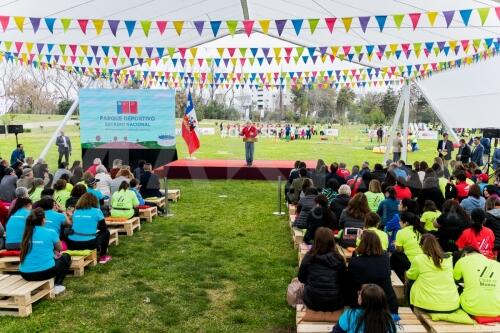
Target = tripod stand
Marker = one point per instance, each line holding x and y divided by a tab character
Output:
489	164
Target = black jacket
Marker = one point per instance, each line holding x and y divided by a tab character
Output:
339	204
451	226
378	175
493	222
371	269
464	154
316	219
324	277
433	194
150	185
339	179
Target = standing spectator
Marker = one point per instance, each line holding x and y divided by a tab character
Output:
445	147
496	159
380	135
18	155
477	152
397	144
464	152
63	144
486	142
93	168
478	236
150	183
8	186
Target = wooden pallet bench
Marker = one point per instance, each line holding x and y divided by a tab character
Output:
346	253
174	195
292	209
409	323
303	249
399	288
127	226
448	327
113	237
298	237
17	295
148	213
9	264
310	326
78	263
160	202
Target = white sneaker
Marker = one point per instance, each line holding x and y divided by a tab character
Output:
59	289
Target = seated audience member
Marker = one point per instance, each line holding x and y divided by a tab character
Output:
430	215
150	183
134	187
413	183
480	297
378	173
75	195
26	179
66	177
344	173
371	265
61	193
450	224
62	170
139	171
319	174
295	189
361	183
409	205
339	203
434	287
35	192
402	191
352	220
8	185
407	243
492	208
320	216
37	253
89	230
53	219
323	272
491	191
16	223
4	213
124	202
461	186
21	192
304	207
334	168
474	200
330	190
374	195
390	181
103	181
93	168
372	223
430	191
373	314
389	207
91	188
117	165
77	173
121	176
478	236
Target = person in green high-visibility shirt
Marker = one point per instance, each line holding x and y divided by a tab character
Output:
124	202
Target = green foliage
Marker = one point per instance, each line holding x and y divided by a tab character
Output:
389	103
216	110
345	99
64	105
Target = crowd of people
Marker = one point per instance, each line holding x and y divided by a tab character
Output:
288	132
435	225
42	212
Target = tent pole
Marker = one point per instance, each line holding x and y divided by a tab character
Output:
394	125
406	118
438	113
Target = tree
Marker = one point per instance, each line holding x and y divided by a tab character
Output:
345	100
300	101
64	105
389	103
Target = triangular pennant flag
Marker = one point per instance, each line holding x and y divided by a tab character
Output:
35	23
83	25
248	26
398	19
465	14
146	26
497	9
347	21
215	25
19	22
113	26
65	23
313	23
161	25
483	14
363	22
178	25
448	16
4	21
84	49
264	25
297	25
98	24
130	25
381	19
414	17
330	22
231	26
431	16
280	25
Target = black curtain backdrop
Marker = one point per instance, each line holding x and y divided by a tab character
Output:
157	157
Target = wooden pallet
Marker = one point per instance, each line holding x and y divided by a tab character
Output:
345	253
303	249
160	202
292	209
447	327
78	263
127	227
409	322
310	326
174	195
113	237
148	213
298	237
399	288
17	295
9	264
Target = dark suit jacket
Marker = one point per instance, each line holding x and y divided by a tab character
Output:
448	147
477	154
464	154
60	144
150	185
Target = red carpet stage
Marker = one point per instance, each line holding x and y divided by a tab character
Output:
228	169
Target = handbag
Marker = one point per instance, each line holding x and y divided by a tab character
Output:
295	293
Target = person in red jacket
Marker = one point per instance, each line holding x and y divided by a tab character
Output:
4	212
402	191
249	133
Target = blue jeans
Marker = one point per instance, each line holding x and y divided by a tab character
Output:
249	148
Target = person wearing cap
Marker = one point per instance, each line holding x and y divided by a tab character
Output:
124	202
91	188
8	185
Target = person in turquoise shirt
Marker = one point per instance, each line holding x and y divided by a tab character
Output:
53	219
16	223
89	230
372	316
37	253
91	188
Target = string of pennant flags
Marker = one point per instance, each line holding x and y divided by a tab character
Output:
99	55
444	18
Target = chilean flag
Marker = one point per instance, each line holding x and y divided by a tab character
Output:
189	124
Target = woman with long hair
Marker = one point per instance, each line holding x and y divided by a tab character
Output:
89	230
372	223
372	316
75	195
331	190
450	224
35	192
389	207
434	289
402	190
124	202
77	173
323	271
16	223
320	216
319	175
474	200
407	243
371	265
353	217
478	236
61	193
121	176
374	195
37	253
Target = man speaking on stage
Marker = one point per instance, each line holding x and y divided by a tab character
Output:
249	134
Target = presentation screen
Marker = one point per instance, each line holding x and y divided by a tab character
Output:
127	119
